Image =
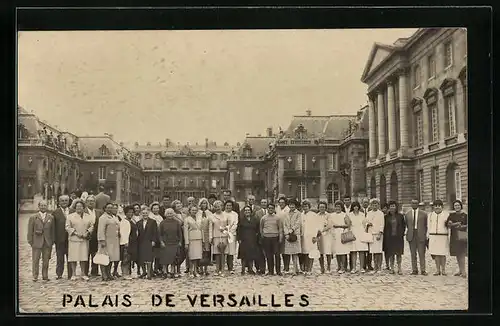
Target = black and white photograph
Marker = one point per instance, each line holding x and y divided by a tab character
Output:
242	170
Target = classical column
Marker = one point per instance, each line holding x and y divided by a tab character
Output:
231	182
322	175
39	187
403	110
119	186
381	123
391	117
371	128
281	172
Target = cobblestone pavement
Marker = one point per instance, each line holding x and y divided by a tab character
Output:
325	292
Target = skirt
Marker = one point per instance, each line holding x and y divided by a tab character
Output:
215	249
394	245
376	246
195	249
326	244
439	245
78	251
168	254
292	248
341	248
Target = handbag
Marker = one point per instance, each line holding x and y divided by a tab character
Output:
101	259
366	237
462	236
292	237
346	237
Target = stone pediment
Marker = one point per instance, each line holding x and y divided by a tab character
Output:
378	54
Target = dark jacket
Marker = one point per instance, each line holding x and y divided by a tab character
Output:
93	243
421	225
41	233
61	236
132	241
248	232
101	199
144	240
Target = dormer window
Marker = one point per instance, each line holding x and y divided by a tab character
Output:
104	151
148	156
214	157
224	157
247	150
300	132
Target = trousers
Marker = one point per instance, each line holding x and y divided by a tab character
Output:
45	253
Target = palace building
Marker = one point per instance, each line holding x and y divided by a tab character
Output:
417	90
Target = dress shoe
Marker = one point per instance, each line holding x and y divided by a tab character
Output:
35	280
58	277
414	273
46	279
424	273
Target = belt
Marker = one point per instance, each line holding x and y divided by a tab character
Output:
270	235
438	233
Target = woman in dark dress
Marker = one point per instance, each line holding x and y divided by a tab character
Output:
385	209
146	240
394	230
247	235
181	255
171	241
457	221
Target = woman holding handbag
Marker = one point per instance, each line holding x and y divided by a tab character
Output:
358	247
108	236
457	223
341	225
292	229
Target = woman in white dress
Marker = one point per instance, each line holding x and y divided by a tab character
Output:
218	226
437	233
340	224
232	223
375	223
358	228
326	243
79	226
312	226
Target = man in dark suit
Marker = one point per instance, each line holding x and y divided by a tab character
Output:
61	236
41	235
93	244
227	196
165	203
101	199
416	235
368	258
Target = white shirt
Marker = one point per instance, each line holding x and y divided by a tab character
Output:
415	217
157	218
92	213
124	231
144	223
136	218
43	216
66	211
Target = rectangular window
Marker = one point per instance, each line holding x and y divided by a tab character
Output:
102	173
173	164
156	198
434	123
435	182
331	161
420	130
157	181
247	173
450	108
458	185
301	162
448	55
185	164
146	182
173	181
186	182
420	185
198	164
431	66
416	76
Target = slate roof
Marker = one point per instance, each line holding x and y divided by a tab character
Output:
258	144
331	127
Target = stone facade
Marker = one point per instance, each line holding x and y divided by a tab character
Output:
417	90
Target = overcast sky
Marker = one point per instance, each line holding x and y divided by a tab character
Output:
188	85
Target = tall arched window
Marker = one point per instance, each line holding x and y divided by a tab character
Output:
373	187
103	150
431	96
418	126
453	182
383	190
394	186
448	90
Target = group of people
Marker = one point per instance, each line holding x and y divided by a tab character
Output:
156	240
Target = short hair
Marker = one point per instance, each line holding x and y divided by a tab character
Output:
89	197
293	202
128	209
78	201
322	202
459	202
271	205
393	202
212	196
175	202
283	198
339	203
43	201
144	208
228	190
374	200
217	203
366	199
249	207
169	212
347	196
107	204
228	201
355	204
63	197
438	202
153	204
385	205
306	203
201	201
264	199
251	197
137	204
190	198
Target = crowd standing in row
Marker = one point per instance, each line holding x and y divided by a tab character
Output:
156	240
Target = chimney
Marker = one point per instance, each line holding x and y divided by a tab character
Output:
308	112
136	144
269	132
206	142
121	144
148	143
167	142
